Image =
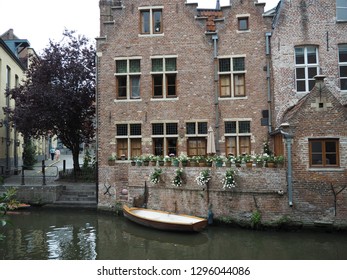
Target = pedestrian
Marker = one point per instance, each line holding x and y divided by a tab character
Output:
52	152
57	154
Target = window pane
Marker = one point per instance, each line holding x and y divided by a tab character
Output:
239	64
244	127
135	147
342	53
245	145
243	23
171	129
231	146
312	71
121	66
300	86
331	159
317	159
157	65
239	85
311	84
299	56
157	21
122	129
158	146
343	71
225	84
158	86
230	127
343	84
224	65
311	55
122	86
135	66
145	22
172	146
341	13
300	73
135	129
158	129
122	147
190	128
330	147
202	128
170	64
171	85
316	147
135	86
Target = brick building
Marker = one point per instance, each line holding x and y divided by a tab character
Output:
167	72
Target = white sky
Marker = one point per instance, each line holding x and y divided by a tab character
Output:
38	21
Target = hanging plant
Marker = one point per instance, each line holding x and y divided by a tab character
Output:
155	176
203	178
228	180
177	180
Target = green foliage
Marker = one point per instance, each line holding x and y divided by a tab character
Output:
29	155
155	176
255	218
6	199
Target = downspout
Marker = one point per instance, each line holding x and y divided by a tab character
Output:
289	139
98	54
216	101
268	78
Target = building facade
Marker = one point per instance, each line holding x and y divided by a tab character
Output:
167	72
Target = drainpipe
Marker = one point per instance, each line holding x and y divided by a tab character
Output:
216	78
268	78
289	139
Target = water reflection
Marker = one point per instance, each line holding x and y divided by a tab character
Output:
87	235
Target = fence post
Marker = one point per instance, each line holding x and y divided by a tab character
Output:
43	173
22	183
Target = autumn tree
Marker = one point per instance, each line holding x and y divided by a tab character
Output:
58	94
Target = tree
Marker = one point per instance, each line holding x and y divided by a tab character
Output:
58	94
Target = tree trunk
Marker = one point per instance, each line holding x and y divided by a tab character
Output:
75	158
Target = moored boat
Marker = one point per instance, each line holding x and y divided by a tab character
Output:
164	220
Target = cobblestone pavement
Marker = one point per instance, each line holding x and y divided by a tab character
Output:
35	176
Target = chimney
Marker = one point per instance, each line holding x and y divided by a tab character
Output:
319	80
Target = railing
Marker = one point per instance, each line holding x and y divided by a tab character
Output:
40	172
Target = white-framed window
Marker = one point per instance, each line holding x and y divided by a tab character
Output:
306	67
237	137
165	138
341	10
129	139
164	74
151	20
128	73
232	72
343	66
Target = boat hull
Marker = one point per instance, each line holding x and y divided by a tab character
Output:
164	220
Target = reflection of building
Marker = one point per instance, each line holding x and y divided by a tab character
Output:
168	72
14	54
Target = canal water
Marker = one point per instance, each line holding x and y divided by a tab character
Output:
70	234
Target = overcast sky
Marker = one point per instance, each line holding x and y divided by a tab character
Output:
41	20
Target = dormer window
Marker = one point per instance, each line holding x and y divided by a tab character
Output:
151	20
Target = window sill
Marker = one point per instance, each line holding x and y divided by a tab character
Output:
127	100
233	98
165	99
151	35
243	31
326	169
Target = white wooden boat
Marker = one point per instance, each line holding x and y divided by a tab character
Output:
164	220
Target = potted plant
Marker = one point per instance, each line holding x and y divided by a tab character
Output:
168	161
203	178
155	176
177	180
209	161
111	160
133	161
183	159
270	161
219	160
248	160
228	180
259	161
238	161
279	161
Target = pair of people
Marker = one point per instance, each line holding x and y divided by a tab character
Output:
55	153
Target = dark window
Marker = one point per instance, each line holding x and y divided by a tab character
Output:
158	129
324	153
343	66
190	128
135	129
243	23
122	129
171	129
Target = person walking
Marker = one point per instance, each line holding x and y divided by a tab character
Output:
52	152
57	154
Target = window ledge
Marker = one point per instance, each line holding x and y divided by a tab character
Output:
243	31
151	35
326	169
127	100
165	99
232	98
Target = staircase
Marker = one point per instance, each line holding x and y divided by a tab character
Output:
77	195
